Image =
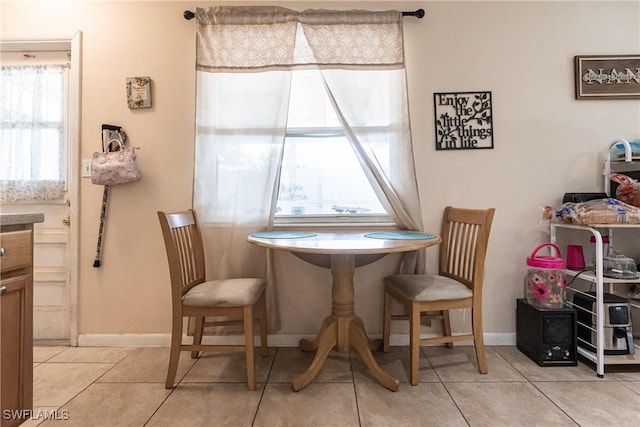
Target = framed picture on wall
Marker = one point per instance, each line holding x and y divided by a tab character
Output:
139	92
464	120
607	76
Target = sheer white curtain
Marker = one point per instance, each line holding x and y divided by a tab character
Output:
32	132
372	105
245	56
241	116
240	126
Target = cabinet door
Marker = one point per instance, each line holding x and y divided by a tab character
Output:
16	349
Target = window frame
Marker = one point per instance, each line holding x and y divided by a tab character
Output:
337	219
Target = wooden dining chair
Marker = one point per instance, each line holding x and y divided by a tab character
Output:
231	301
458	284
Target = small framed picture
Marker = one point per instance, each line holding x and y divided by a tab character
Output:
607	76
139	92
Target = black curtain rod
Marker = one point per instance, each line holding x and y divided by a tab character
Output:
188	15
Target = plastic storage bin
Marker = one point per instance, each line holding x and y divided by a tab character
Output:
544	282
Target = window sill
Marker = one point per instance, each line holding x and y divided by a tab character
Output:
284	222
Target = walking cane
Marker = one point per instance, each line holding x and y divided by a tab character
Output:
107	133
103	212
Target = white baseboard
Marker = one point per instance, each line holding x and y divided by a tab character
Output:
500	339
124	340
276	340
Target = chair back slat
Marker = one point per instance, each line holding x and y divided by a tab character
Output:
461	250
181	237
465	234
185	251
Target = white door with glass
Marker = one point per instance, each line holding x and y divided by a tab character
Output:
38	94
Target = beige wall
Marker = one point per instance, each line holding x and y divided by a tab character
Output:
546	142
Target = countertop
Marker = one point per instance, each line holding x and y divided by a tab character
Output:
20	218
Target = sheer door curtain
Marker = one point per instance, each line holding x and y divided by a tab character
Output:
32	132
245	60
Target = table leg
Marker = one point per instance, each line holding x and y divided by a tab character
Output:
326	341
375	345
306	345
342	329
362	344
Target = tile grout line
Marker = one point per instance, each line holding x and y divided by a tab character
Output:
435	371
534	385
171	390
554	404
60	407
444	385
355	390
264	388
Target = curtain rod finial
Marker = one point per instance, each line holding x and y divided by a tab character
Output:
188	15
416	13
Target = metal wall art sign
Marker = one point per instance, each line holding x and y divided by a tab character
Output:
607	77
463	120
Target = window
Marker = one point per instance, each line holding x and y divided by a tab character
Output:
302	117
321	178
33	132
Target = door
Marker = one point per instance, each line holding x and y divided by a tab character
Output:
56	239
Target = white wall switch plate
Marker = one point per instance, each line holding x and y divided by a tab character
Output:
86	168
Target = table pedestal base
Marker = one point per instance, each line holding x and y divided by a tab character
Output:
342	329
327	339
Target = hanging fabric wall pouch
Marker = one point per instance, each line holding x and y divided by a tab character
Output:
116	167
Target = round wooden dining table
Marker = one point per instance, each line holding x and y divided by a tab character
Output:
342	252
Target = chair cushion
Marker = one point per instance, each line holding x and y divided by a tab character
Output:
423	287
224	293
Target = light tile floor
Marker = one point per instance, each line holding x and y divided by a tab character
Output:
117	387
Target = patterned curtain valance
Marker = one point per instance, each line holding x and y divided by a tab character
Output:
257	38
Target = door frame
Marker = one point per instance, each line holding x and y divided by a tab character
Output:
74	45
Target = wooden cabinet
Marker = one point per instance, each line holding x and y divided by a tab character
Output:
16	319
